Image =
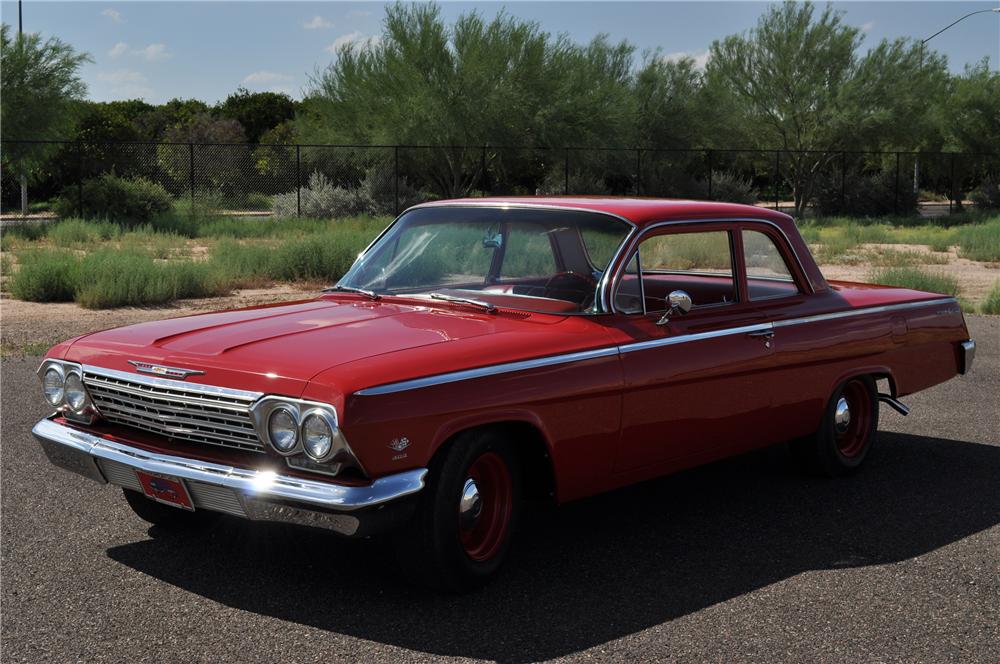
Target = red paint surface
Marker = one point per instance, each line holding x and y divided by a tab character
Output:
607	421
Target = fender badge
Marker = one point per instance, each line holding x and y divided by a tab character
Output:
157	370
399	444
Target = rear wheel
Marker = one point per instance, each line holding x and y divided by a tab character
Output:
847	432
164	516
462	530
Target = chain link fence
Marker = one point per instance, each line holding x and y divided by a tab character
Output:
336	180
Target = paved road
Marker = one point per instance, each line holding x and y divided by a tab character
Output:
740	561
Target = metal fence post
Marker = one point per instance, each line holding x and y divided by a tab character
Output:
298	180
709	154
951	187
843	180
638	171
566	175
395	177
895	191
777	179
191	172
79	179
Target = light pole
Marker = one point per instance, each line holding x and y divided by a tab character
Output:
916	160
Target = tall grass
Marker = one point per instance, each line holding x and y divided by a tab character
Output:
915	278
45	275
109	278
991	305
980	242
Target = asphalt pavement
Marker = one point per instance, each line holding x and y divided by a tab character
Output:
740	561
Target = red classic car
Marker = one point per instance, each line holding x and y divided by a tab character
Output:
481	352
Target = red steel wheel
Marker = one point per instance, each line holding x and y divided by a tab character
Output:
852	419
485	507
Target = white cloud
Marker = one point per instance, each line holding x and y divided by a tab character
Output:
353	39
867	27
316	23
114	15
700	57
266	78
119	49
154	53
126	83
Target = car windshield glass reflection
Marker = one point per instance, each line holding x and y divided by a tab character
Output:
536	260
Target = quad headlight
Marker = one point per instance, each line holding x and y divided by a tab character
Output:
62	385
305	432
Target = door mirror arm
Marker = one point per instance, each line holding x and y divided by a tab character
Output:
678	302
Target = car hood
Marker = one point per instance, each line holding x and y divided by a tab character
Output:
278	348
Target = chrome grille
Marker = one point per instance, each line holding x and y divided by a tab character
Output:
193	413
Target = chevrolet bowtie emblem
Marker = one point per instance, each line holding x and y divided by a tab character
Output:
168	372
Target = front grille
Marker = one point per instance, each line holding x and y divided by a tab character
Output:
206	496
191	413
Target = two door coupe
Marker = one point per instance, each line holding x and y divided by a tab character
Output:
482	352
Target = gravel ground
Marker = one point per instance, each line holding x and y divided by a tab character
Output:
739	561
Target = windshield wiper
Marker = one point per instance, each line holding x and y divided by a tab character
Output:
351	289
490	308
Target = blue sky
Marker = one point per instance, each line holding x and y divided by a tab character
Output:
205	50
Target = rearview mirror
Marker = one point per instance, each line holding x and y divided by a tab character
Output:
678	302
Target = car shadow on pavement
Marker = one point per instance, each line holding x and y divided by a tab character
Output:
605	567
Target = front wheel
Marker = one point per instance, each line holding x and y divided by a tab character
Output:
847	432
460	535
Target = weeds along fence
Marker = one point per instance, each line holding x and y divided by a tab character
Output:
333	180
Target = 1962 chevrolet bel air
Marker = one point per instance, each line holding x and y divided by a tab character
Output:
484	351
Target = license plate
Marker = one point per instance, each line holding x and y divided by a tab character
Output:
165	489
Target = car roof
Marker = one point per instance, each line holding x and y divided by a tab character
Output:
639	211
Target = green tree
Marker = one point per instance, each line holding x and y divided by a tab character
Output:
257	112
38	91
801	85
970	114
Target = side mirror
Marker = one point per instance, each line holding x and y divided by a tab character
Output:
678	302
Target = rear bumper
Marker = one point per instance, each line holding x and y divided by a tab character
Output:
251	494
966	354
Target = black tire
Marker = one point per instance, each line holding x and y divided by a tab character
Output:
433	549
165	516
838	450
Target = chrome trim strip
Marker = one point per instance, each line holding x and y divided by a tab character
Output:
469	374
861	312
257	485
167	383
697	336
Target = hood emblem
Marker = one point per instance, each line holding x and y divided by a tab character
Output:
399	444
159	370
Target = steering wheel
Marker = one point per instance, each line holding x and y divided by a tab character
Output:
572	283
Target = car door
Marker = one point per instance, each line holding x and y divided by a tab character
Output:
694	385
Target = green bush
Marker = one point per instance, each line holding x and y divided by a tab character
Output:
109	278
915	278
980	242
991	305
728	187
76	232
987	195
45	275
129	202
864	196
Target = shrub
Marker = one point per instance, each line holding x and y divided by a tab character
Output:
45	275
864	196
75	232
109	278
991	305
917	279
987	195
728	187
320	198
379	191
582	183
980	242
130	202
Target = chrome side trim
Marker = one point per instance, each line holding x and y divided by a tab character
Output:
252	485
861	312
173	384
469	374
698	336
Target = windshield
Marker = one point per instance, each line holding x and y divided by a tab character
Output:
536	260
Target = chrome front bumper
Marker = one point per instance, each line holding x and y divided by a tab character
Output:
966	355
252	494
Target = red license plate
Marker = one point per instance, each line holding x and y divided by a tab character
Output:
165	489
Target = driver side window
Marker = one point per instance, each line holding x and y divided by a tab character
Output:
699	263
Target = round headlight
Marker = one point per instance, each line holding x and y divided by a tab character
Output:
54	386
317	436
76	395
282	430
